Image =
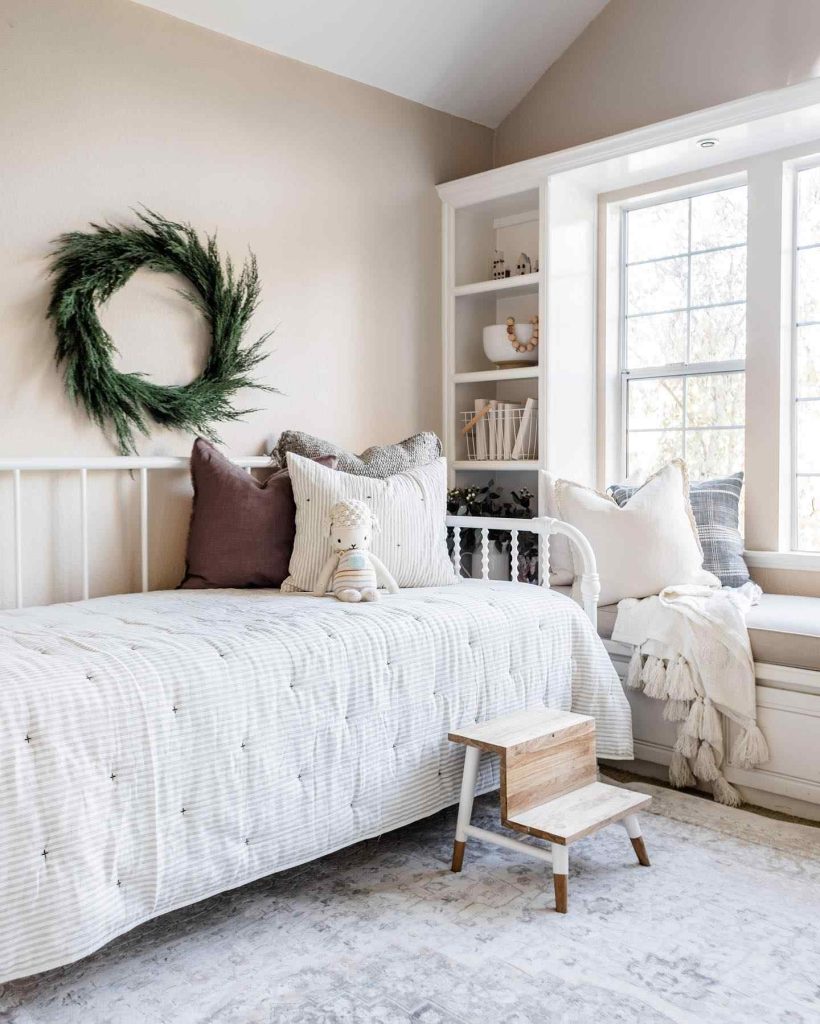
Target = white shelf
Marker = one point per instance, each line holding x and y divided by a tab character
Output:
522	283
510	224
482	465
515	373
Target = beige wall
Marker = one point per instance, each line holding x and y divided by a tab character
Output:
642	61
105	105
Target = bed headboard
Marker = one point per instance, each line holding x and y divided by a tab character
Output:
143	470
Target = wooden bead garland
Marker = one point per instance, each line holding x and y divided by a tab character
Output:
520	346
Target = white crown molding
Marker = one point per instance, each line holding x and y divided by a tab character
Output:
530	173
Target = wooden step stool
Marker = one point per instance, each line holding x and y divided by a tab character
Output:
549	788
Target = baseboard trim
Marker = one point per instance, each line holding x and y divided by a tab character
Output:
782	803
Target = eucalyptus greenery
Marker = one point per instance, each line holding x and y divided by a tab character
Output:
90	266
488	501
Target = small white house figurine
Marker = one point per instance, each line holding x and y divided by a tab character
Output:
499	266
524	264
353	572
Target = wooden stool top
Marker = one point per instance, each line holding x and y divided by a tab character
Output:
522	729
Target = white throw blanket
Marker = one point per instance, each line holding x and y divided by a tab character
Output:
692	650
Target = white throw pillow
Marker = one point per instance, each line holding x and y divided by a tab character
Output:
410	508
648	544
562	570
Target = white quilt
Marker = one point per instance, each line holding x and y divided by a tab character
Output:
160	748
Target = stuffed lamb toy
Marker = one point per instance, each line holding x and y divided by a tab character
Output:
353	572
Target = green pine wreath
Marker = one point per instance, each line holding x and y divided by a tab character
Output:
90	266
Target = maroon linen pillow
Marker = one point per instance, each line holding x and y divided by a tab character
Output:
241	532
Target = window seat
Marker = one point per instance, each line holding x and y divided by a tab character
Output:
785	635
783	630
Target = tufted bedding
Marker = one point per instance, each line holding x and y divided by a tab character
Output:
160	748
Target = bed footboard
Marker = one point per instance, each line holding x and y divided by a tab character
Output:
582	553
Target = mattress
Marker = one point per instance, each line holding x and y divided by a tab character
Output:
160	748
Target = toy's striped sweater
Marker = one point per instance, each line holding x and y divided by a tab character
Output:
354	572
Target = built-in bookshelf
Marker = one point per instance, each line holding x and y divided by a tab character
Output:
486	402
503	421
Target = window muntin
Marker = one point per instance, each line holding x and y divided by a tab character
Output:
684	333
806	364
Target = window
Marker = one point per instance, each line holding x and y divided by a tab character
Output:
684	333
806	364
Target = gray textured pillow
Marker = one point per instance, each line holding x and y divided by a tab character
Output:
379	461
716	507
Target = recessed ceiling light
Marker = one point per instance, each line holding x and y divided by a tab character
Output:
707	143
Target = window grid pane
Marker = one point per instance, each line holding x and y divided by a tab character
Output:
660	282
695	417
806	359
685	307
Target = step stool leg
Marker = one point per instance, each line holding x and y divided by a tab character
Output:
472	756
560	873
633	830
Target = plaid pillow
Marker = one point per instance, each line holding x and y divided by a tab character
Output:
716	507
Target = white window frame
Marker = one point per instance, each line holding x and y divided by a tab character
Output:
806	164
721	183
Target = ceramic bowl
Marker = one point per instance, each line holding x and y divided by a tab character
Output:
498	350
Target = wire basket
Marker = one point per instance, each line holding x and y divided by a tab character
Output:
501	432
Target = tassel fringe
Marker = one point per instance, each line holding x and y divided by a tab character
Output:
705	766
694	723
699	746
725	793
654	678
686	745
711	730
673	670
633	673
751	748
681	683
676	710
680	774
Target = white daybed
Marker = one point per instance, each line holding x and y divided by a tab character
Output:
162	747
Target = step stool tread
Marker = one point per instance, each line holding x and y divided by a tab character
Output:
578	813
522	728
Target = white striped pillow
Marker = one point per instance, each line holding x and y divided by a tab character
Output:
410	508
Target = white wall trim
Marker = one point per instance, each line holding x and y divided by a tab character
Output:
804	561
784	677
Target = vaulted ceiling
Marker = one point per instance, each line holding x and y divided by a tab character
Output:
473	58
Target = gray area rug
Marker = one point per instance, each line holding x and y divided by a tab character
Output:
722	928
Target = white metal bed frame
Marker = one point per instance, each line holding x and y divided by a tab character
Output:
544	526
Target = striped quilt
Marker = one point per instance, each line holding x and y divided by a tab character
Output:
160	748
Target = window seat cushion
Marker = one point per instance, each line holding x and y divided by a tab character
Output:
783	630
